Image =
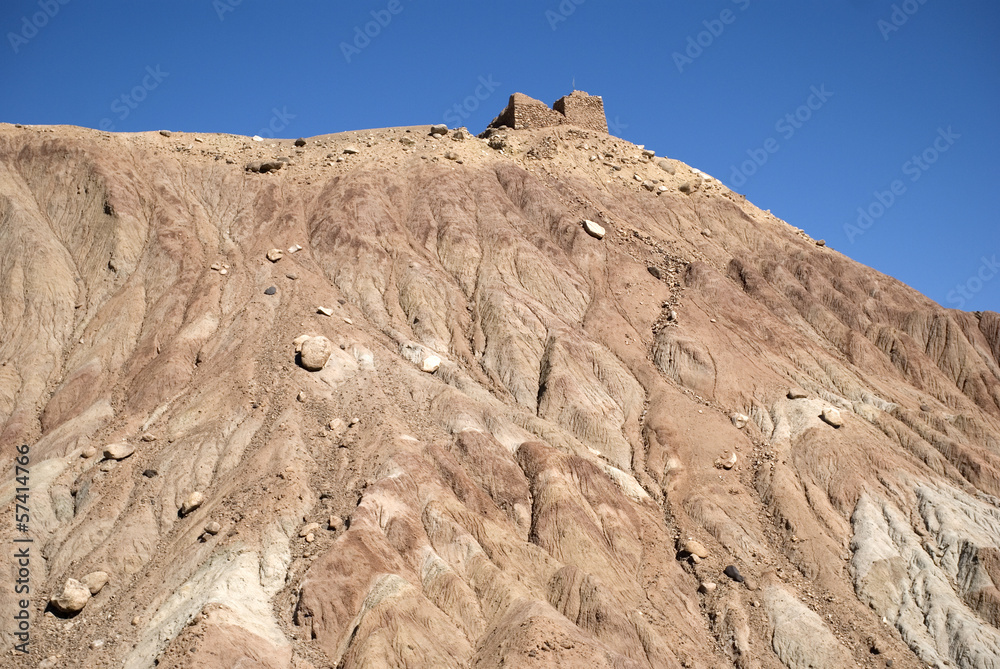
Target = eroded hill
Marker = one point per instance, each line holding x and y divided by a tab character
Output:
610	423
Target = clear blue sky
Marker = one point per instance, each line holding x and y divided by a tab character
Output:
889	91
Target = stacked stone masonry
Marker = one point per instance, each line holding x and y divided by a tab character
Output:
577	109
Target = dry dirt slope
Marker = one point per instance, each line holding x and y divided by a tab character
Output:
528	503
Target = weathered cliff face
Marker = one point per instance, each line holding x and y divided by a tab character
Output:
529	500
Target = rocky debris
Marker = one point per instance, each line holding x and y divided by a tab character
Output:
88	452
351	150
274	255
648	153
308	529
707	587
739	420
687	187
732	572
696	548
294	248
655	272
118	451
728	462
460	135
667	167
95	581
820	242
300	142
832	416
257	138
796	393
800	639
430	364
649	185
192	502
73	597
335	524
326	311
149	473
439	129
594	229
263	167
166	133
271	290
148	437
314	352
213	528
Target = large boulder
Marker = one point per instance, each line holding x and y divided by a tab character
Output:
314	353
73	598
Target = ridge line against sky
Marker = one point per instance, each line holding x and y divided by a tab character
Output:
869	123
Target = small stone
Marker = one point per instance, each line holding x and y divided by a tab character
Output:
292	275
314	353
707	587
727	463
832	417
430	364
351	150
706	232
301	397
88	452
166	133
354	421
310	538
300	142
118	451
223	271
739	420
95	581
257	138
655	272
925	408
73	598
796	393
298	341
136	621
667	167
439	129
274	255
649	185
149	473
192	502
696	548
213	528
97	644
325	311
336	523
308	529
648	153
147	437
733	573
821	242
451	155
407	141
593	229
294	248
661	190
271	290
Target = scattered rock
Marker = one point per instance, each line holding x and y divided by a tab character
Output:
73	598
292	275
274	255
336	523
706	232
294	248
686	188
308	529
88	452
314	353
351	150
192	502
451	155
271	166
430	364
655	271
97	644
707	587
739	420
439	129
213	528
298	341
648	153
649	185
733	573
821	242
407	141
727	463
832	417
95	581
310	538
118	451
147	437
593	229
258	138
300	142
149	473
166	133
325	311
696	548
271	290
796	393
667	167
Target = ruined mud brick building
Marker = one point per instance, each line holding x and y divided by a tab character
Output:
578	109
